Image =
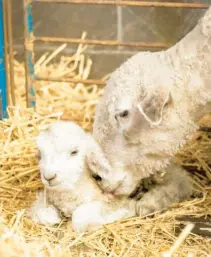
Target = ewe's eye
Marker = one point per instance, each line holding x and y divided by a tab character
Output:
124	114
73	153
96	177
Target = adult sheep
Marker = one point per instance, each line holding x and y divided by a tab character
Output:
149	110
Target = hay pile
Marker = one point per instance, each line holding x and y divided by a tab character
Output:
19	177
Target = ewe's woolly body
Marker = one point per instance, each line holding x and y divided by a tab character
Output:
185	71
74	191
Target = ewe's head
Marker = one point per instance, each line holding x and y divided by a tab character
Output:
145	123
62	154
141	89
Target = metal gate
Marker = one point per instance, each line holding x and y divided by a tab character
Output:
6	44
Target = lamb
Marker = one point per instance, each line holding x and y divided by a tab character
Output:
70	188
149	110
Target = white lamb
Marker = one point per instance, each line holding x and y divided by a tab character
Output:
70	188
149	110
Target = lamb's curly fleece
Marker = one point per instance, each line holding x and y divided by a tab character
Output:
64	151
138	148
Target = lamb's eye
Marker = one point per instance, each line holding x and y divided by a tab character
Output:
96	177
124	114
73	153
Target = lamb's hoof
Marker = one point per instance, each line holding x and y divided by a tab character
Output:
144	208
45	216
87	218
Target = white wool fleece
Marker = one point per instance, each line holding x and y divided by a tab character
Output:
65	150
150	109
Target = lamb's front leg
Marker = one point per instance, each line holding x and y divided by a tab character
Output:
175	187
92	216
42	213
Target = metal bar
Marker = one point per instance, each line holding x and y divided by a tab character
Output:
130	3
119	23
3	81
29	53
6	45
84	81
101	42
10	40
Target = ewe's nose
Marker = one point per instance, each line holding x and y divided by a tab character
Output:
50	177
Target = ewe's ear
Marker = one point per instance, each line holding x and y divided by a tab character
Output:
152	106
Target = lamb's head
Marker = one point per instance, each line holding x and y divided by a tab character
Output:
62	150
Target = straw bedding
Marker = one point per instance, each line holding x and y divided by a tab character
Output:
19	177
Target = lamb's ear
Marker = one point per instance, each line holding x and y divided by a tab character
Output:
152	106
96	161
40	138
38	154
